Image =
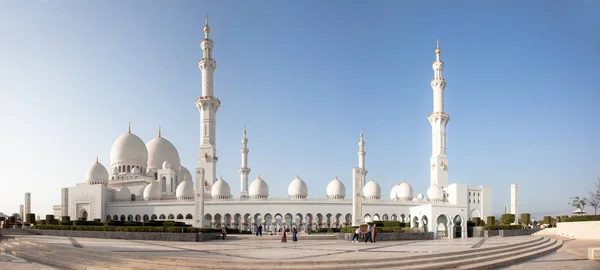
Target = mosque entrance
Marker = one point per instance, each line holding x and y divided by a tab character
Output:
457	227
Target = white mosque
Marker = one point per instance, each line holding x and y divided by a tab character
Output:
147	182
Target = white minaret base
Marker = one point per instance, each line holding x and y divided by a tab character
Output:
199	203
514	201
358	177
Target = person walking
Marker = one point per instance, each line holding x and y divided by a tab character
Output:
356	232
368	235
294	234
257	229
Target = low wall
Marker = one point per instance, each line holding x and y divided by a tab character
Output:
478	231
391	236
488	233
507	233
579	229
184	237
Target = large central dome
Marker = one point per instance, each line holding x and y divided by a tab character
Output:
128	149
161	150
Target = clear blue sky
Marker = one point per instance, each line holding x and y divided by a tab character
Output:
305	77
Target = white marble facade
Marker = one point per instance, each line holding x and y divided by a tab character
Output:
146	181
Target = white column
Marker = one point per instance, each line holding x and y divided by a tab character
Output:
64	205
27	203
514	201
199	202
358	178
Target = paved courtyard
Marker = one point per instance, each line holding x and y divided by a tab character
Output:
244	252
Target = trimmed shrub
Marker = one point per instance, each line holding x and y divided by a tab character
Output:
127	229
526	218
584	218
49	219
478	221
393	224
491	220
349	229
30	218
507	219
564	218
547	220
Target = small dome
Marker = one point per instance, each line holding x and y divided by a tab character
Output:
135	170
220	190
152	191
166	165
372	191
122	194
394	192
420	197
259	189
183	172
435	193
297	189
185	189
161	150
128	149
336	189
404	191
115	170
96	174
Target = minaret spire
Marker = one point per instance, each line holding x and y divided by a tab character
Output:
361	151
244	170
208	105
438	120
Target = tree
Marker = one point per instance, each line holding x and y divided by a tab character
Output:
578	203
594	197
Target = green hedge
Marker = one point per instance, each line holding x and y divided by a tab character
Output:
584	218
30	218
491	220
507	219
564	218
503	227
526	218
478	222
126	229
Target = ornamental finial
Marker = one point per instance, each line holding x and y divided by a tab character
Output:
159	135
244	132
361	134
129	128
97	160
206	28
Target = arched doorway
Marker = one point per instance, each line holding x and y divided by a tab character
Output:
84	214
424	223
458	226
442	226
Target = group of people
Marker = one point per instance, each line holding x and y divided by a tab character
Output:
283	233
369	235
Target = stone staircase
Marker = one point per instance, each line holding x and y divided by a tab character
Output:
477	258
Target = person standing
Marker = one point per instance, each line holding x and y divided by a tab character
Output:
260	229
374	233
223	232
283	234
257	229
294	234
356	232
368	234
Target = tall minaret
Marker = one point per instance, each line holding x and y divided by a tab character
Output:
208	105
438	119
361	154
244	170
358	182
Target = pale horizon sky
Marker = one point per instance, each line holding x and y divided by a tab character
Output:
306	77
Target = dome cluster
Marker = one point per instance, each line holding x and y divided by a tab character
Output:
131	159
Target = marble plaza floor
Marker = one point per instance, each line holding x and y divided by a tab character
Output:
252	250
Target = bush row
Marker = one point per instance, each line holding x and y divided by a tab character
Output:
503	227
584	218
381	229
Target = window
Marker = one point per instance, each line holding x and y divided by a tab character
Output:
469	200
469	193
